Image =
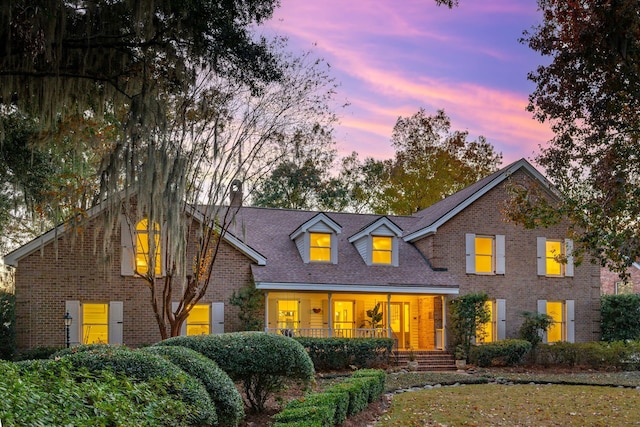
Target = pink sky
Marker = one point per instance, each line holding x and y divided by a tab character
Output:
392	57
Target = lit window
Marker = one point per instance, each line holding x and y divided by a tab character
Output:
198	320
555	333
288	315
95	323
484	254
320	247
485	332
143	247
624	288
381	250
553	251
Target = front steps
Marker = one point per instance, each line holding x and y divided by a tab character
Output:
428	360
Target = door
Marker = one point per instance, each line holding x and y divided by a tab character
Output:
401	323
343	318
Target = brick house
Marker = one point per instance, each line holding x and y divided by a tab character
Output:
612	284
326	274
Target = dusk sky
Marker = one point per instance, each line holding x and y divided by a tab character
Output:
393	57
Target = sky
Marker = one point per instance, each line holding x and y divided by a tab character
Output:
392	57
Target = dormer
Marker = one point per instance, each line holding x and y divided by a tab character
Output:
317	240
378	243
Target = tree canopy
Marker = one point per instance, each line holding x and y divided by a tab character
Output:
590	94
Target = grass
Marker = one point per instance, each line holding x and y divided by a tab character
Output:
556	399
515	405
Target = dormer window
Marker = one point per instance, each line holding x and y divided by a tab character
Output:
317	240
320	247
381	250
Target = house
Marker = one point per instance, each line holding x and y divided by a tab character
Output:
327	274
612	284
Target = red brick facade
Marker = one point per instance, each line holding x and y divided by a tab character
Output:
612	284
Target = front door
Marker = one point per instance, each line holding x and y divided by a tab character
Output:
401	323
343	319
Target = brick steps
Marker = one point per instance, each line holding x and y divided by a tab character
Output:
427	360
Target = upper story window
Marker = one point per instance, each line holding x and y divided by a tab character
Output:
381	249
554	257
320	247
485	254
148	246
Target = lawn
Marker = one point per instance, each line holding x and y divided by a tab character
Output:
573	399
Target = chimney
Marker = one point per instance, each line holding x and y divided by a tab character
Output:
235	195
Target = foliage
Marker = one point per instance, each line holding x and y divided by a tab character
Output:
57	394
505	352
374	316
141	366
594	355
221	389
620	317
341	353
467	314
432	162
7	325
588	92
534	326
250	301
260	361
38	353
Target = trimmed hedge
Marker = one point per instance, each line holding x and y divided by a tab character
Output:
142	366
503	353
53	393
620	317
332	406
221	389
7	325
340	353
595	355
260	361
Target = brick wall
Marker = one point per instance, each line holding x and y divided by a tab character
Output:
520	285
75	269
609	278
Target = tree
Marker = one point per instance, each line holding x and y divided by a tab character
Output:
467	313
432	162
589	94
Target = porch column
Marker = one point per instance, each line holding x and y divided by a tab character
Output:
266	311
444	322
330	314
389	335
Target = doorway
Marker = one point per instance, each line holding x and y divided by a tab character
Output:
401	323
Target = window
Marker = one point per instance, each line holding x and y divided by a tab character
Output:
486	332
95	323
624	288
563	315
485	254
554	257
198	322
145	236
288	315
381	250
320	247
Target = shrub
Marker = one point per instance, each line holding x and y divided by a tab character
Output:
533	326
506	352
260	361
143	367
51	393
337	402
221	389
357	392
7	325
594	355
38	353
467	313
377	385
250	302
308	416
340	353
620	317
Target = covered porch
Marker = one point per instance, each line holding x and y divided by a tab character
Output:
414	321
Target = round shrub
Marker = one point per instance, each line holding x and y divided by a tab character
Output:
221	389
258	360
142	366
85	347
505	352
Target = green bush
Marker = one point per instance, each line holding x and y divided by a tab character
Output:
221	389
506	352
54	394
38	353
337	402
357	392
260	361
320	416
340	353
620	317
595	355
533	326
378	383
143	367
467	313
7	325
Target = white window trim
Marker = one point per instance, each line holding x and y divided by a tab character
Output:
114	325
498	257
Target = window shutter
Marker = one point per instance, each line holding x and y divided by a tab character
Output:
183	328
115	322
470	250
500	254
73	308
570	320
542	309
542	256
501	319
127	257
568	247
217	318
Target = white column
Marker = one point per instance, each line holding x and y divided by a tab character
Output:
389	316
330	313
444	321
266	311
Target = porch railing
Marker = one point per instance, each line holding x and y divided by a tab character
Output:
324	332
